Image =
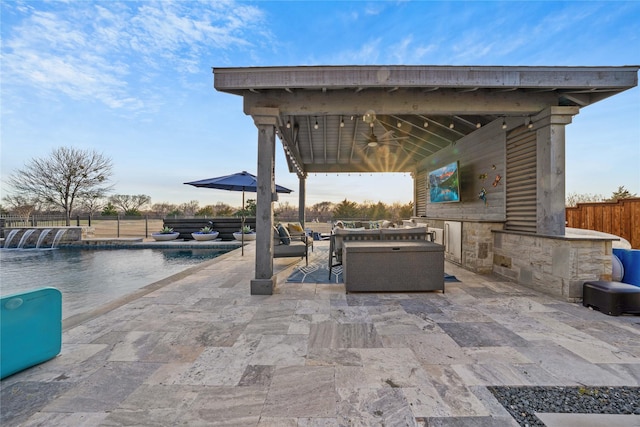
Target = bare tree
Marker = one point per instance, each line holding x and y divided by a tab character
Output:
130	204
63	178
92	204
320	212
21	206
163	209
222	209
286	211
189	208
574	198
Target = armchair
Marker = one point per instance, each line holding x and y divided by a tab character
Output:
287	245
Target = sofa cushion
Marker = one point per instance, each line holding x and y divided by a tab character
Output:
293	249
358	232
285	238
374	225
411	233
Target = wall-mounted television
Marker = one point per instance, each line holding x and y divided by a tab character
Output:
444	184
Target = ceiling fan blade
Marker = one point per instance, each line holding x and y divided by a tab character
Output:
395	142
387	134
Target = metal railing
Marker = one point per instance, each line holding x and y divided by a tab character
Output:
13	221
96	226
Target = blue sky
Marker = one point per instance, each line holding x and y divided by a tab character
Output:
133	81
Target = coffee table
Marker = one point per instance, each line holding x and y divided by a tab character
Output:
393	266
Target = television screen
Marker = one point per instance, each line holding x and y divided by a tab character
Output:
444	184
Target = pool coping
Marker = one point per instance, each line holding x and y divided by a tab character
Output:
139	243
77	319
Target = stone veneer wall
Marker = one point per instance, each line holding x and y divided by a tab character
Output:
477	246
477	243
556	266
88	232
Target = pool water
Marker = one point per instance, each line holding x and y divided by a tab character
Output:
90	278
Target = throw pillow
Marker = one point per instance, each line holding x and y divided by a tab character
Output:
285	238
349	224
374	225
295	227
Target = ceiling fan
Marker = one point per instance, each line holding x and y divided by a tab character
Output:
386	139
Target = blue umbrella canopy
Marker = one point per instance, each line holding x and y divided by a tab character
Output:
242	181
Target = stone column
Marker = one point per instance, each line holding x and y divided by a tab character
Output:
550	135
302	188
265	281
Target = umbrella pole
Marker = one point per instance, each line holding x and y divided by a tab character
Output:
242	226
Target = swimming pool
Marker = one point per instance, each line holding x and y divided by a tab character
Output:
90	278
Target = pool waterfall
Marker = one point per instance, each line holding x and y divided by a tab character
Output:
40	237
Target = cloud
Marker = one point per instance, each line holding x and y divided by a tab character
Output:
407	51
113	52
368	53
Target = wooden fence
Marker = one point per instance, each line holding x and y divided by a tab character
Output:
621	218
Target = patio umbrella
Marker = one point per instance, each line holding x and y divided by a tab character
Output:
242	181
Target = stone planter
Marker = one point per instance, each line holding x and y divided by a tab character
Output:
247	236
205	236
163	237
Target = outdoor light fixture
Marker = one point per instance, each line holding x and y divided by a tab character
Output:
451	125
399	124
316	125
288	124
369	116
530	124
426	124
341	123
504	124
478	125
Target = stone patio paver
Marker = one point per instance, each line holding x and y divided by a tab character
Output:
202	351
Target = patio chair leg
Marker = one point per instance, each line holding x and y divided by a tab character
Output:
331	243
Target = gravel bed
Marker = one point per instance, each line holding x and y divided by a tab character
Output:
522	402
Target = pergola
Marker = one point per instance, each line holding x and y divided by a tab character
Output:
396	118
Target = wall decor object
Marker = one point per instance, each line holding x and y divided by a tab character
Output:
483	195
444	184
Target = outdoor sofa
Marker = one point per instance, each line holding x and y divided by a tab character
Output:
340	235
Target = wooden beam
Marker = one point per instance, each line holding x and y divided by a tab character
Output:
403	102
375	76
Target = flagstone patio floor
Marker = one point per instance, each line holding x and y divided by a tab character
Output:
200	350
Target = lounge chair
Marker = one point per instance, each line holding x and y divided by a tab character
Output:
286	244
